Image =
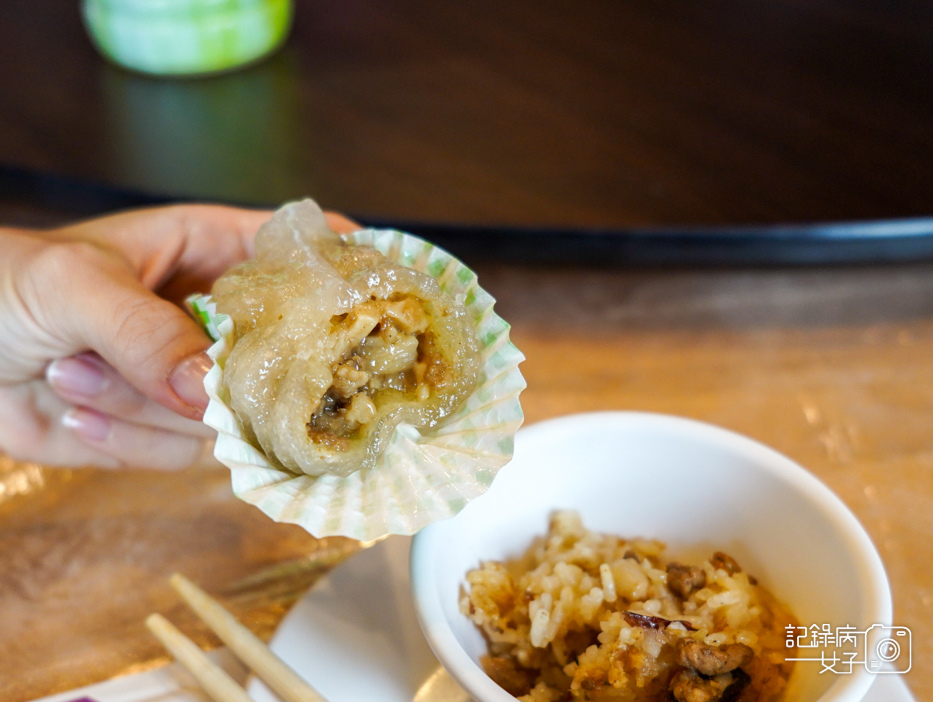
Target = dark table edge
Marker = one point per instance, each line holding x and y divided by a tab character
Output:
816	243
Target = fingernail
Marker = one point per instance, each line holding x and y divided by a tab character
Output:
76	376
187	380
87	424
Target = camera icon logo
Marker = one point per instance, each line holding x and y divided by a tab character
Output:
887	649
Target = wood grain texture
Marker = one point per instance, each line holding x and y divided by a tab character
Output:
830	366
602	114
85	557
605	113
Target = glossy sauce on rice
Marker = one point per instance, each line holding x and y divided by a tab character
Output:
588	616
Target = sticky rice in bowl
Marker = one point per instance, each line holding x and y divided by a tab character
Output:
644	492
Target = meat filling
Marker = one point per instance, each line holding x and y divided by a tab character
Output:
684	580
688	686
712	660
723	561
385	345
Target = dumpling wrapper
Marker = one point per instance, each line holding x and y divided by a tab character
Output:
335	345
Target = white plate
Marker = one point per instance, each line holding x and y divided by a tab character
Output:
355	637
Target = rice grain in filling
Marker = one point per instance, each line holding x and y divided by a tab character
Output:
588	616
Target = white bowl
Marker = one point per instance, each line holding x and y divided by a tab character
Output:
698	488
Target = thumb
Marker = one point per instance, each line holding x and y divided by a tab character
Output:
100	304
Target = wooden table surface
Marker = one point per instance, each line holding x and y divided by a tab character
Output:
546	114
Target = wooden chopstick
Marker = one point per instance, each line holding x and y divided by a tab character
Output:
212	678
284	681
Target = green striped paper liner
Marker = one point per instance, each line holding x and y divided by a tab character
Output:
422	476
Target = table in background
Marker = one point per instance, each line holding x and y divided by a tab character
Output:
606	114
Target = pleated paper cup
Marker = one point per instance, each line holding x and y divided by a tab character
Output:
423	475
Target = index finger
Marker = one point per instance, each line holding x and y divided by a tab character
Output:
159	241
182	249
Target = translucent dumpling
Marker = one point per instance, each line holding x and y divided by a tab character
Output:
335	345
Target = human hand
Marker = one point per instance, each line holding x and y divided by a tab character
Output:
99	365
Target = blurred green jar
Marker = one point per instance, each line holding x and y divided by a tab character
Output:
186	37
